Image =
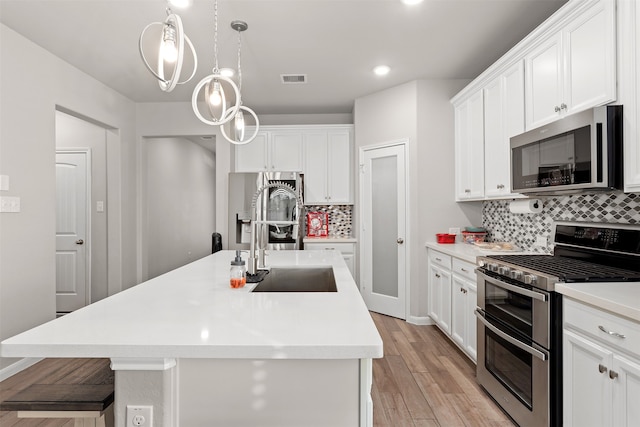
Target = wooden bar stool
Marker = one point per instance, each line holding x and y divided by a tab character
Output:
88	405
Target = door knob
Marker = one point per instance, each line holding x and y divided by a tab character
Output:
79	242
400	240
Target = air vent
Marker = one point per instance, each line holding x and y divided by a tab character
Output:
293	79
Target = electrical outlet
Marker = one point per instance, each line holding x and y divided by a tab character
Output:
541	241
139	416
454	230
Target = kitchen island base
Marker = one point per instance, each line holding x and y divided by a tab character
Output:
244	392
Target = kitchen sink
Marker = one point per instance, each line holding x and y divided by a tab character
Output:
297	279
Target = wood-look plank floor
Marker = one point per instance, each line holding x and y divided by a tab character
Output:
424	380
52	371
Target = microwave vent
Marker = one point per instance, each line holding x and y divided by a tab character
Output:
291	79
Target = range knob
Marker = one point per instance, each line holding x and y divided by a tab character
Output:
516	274
504	271
530	279
492	266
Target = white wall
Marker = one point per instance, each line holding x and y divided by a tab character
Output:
180	203
33	84
420	112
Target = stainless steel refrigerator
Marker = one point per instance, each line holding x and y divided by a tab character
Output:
272	205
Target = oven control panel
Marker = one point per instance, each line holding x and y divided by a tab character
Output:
516	272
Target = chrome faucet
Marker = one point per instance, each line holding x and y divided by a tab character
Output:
258	261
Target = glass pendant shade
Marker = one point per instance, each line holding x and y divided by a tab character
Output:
170	51
216	88
168	48
237	132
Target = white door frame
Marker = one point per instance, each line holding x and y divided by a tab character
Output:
87	243
404	142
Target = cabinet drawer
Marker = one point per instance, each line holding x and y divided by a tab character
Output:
464	269
344	248
440	259
589	320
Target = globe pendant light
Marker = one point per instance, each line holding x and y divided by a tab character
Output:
238	126
170	51
214	94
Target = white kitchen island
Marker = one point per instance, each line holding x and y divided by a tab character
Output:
204	354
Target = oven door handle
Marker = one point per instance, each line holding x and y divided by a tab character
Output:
517	289
532	351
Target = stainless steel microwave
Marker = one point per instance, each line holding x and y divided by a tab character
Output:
580	152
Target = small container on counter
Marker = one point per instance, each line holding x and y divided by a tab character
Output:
445	238
473	237
238	272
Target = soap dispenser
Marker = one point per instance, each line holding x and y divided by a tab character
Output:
238	272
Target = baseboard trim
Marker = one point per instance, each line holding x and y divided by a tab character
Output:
19	366
420	320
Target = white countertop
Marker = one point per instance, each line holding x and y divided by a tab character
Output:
191	312
619	298
465	251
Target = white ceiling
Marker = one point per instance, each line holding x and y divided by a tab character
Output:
335	42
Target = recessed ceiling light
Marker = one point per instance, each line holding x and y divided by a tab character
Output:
382	70
411	2
181	3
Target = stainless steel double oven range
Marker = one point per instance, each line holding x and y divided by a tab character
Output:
520	315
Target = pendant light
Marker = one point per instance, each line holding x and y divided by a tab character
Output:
216	89
237	125
170	51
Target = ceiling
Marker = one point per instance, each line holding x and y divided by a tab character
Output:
336	43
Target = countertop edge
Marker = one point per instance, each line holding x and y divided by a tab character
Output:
590	295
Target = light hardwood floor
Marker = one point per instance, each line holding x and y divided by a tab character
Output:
423	380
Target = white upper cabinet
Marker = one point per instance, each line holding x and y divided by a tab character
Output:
544	83
629	89
469	148
271	150
503	118
566	65
327	166
575	68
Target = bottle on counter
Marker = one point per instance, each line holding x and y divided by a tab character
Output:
238	272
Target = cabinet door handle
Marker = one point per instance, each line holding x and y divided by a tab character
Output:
602	368
563	106
612	333
613	375
464	269
466	190
438	276
556	109
438	259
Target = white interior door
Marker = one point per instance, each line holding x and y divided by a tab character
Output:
72	225
383	229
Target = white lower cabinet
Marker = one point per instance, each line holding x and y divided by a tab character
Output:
601	368
463	304
452	299
347	249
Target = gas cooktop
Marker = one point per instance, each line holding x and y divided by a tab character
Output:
568	269
583	252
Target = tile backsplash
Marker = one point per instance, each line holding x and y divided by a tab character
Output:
340	218
523	229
